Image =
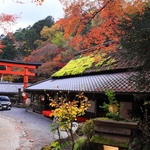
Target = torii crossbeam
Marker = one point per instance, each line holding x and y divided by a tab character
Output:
26	65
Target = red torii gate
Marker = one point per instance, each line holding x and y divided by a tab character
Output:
26	65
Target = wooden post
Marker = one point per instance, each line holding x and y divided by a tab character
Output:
25	83
25	77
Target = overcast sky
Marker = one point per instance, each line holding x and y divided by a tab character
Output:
30	12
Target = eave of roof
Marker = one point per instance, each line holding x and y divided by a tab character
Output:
117	82
21	62
9	87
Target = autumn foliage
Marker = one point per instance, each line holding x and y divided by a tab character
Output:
70	110
6	21
1	46
52	57
67	112
87	25
93	23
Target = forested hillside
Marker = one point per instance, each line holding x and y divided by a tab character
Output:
38	43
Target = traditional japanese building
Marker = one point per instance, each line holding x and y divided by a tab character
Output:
92	74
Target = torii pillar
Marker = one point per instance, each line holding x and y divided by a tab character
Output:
26	65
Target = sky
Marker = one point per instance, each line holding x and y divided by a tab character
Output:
30	12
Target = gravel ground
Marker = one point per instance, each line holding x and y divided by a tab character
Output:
10	137
35	128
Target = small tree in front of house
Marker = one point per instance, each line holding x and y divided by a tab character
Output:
67	112
113	107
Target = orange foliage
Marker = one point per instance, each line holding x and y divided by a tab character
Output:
52	58
57	58
91	23
7	21
42	54
1	46
38	2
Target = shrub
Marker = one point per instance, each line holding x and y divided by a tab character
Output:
79	130
46	148
113	107
88	129
80	144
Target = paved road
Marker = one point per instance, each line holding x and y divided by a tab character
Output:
32	129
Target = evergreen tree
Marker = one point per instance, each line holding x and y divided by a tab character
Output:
134	40
9	52
33	33
26	37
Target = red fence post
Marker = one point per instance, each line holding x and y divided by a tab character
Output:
25	83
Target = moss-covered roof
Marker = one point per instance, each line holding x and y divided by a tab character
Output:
93	63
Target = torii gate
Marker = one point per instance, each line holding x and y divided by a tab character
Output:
26	65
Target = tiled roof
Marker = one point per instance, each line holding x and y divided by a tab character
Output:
118	82
94	63
9	87
119	63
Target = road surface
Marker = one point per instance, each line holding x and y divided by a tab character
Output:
23	130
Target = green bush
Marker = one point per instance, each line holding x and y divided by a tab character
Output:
88	129
80	144
113	107
79	130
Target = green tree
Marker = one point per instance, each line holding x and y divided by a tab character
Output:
20	33
59	40
134	40
38	26
33	33
28	36
9	52
67	111
20	43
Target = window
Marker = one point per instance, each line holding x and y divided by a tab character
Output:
4	98
110	148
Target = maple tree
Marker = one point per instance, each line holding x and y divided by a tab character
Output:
55	57
93	23
67	111
6	21
38	2
52	57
